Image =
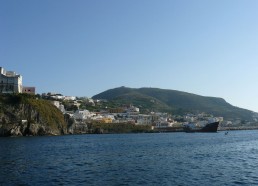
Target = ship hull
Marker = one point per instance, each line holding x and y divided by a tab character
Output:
211	127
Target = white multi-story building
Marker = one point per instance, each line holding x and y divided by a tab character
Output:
10	82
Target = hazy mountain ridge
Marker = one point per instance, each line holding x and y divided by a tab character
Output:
178	102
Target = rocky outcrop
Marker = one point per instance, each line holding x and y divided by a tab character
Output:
29	117
82	127
76	127
25	129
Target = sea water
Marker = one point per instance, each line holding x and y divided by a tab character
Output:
131	159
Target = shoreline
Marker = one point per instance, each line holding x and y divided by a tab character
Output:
160	130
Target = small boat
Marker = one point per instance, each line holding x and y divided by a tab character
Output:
209	127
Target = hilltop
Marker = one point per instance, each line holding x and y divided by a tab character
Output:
173	101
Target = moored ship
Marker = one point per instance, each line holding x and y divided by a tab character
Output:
209	127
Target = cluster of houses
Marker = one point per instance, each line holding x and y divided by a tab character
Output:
11	82
127	114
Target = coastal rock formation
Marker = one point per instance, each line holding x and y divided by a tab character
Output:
75	127
24	115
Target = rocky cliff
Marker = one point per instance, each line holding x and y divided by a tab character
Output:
25	115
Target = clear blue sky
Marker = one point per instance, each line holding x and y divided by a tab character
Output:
84	47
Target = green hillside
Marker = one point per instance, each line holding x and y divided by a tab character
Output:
40	116
177	102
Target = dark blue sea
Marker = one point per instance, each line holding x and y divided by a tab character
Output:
131	159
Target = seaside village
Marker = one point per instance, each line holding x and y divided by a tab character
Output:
76	108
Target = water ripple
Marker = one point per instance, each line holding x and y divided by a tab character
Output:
131	159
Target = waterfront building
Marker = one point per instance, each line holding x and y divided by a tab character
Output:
144	119
10	82
163	124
